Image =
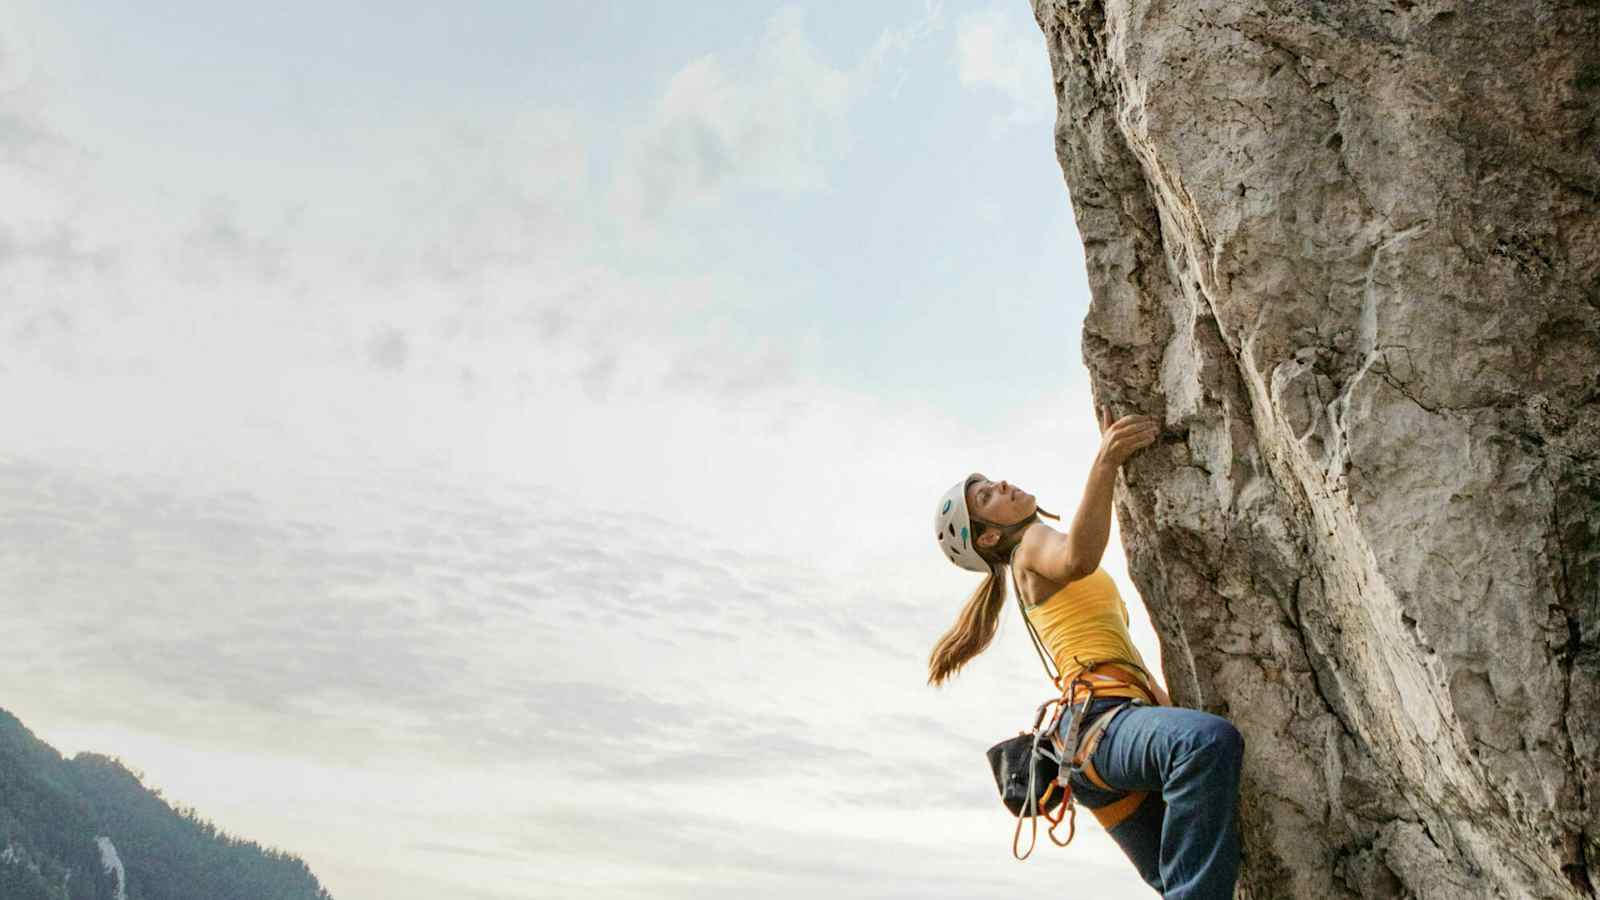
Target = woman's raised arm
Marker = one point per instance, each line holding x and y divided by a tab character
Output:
1076	554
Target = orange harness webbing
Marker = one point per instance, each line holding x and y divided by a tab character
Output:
1081	691
1112	814
1103	676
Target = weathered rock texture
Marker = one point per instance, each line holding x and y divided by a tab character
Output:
1349	252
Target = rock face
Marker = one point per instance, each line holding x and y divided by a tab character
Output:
1349	253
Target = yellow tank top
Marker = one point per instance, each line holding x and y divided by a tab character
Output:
1086	622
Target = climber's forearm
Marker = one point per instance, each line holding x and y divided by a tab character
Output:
1079	555
1091	525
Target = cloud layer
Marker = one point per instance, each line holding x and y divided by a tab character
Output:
773	121
996	49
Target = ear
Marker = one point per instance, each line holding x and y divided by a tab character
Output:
988	539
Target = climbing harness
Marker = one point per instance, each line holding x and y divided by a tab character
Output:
1030	759
1067	755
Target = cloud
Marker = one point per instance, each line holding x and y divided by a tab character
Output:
222	245
481	193
47	246
16	59
62	250
772	120
389	349
481	239
723	367
26	139
732	859
380	616
31	145
598	374
998	49
692	852
884	60
458	625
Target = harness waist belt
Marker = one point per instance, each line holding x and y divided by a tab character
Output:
1103	676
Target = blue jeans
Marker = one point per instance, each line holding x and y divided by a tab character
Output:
1184	838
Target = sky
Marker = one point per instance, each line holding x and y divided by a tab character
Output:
488	450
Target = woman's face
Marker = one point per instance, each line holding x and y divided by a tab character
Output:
999	502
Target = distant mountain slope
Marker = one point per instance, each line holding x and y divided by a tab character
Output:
64	822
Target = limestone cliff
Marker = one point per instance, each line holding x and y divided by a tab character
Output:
1349	253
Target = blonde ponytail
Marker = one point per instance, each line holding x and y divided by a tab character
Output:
973	630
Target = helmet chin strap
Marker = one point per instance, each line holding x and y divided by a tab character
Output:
1006	531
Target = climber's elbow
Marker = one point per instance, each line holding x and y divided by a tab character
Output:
1076	570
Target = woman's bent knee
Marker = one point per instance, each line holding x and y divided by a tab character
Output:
1219	738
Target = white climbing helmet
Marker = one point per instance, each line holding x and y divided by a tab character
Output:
955	528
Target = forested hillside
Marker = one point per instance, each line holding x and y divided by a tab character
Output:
88	829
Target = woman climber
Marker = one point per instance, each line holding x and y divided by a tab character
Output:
1164	780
